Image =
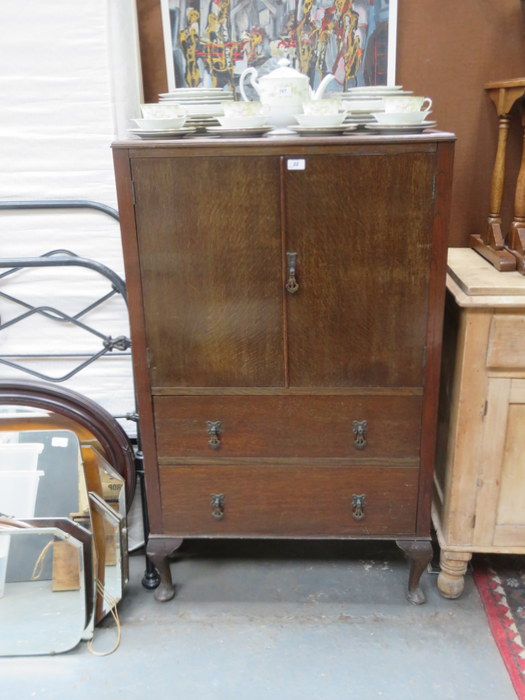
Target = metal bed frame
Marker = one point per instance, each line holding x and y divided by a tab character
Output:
65	258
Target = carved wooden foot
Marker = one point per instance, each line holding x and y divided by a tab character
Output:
159	550
502	260
419	554
451	580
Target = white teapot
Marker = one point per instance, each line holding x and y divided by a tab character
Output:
283	90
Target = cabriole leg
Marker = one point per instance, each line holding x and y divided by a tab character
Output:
419	553
159	550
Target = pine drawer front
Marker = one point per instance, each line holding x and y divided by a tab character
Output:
345	427
506	349
273	501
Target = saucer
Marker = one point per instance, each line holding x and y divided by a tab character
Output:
400	128
246	131
323	130
164	134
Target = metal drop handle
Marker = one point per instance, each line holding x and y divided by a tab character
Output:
360	429
358	506
217	503
291	266
214	430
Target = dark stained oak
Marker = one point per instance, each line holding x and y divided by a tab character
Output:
210	256
288	426
251	396
359	317
262	501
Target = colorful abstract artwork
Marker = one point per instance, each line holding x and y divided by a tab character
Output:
210	42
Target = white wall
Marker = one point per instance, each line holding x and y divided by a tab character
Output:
69	81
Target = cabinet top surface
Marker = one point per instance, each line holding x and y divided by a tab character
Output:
277	144
475	282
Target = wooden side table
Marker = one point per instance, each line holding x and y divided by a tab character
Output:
479	485
506	253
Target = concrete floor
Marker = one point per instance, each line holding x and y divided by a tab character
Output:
281	621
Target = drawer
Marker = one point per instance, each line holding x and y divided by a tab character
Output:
506	349
283	501
288	426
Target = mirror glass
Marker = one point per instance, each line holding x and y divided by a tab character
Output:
42	591
57	478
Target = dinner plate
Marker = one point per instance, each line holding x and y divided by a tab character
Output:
196	100
359	118
400	128
367	89
239	133
194	91
323	130
161	134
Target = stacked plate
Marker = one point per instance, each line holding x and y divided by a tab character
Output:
203	105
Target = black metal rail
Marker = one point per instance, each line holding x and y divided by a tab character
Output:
61	259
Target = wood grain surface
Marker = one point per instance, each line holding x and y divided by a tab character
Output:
288	426
288	501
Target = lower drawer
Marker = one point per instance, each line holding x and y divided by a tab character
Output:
284	501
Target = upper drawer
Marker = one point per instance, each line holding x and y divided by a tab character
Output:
506	349
288	426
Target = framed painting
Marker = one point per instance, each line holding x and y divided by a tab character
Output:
208	43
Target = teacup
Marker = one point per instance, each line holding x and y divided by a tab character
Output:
370	104
401	117
242	121
244	109
161	124
163	110
320	120
326	105
406	103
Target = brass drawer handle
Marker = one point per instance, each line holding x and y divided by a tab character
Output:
291	266
214	430
358	506
360	428
217	503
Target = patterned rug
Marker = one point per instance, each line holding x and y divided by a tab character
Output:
500	581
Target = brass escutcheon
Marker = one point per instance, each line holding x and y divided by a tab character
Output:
291	264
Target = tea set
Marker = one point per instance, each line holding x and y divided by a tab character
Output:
286	104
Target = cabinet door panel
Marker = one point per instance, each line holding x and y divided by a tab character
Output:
210	250
362	229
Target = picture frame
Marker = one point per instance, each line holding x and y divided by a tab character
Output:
208	43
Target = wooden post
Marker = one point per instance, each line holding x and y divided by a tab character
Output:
491	243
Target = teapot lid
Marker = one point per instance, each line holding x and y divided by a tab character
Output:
284	71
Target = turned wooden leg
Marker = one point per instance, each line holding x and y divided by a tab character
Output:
419	553
451	580
516	241
490	244
493	236
159	549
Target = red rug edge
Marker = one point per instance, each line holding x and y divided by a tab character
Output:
481	577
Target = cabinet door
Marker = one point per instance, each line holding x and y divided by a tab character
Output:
361	227
211	266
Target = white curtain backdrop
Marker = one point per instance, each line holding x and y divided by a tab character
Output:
70	81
